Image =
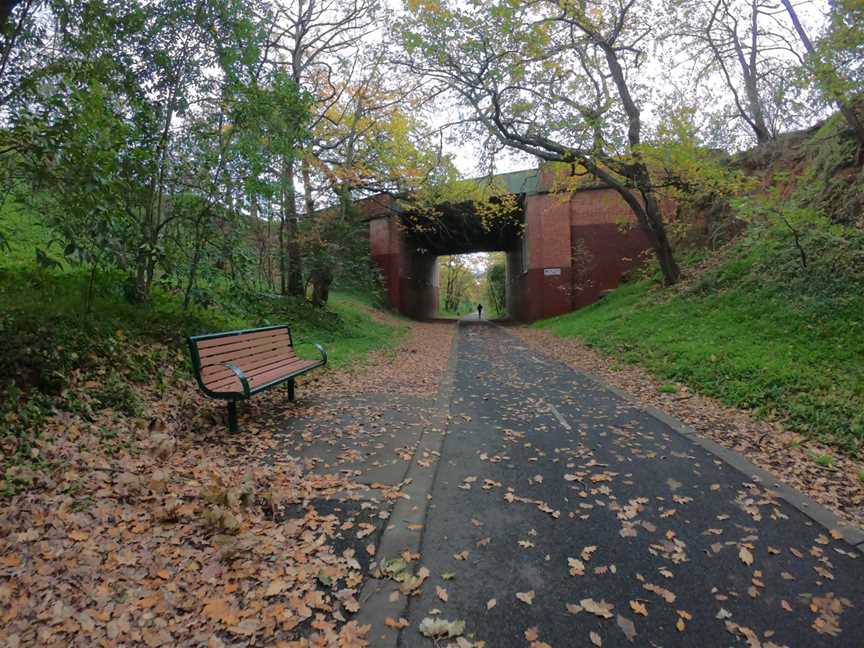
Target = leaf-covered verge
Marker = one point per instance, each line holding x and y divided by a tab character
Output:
131	517
131	358
158	535
128	515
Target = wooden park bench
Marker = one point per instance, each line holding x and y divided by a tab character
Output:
235	365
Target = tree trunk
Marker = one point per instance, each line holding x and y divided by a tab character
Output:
193	265
321	282
143	263
308	200
292	265
283	249
748	71
660	241
649	214
650	218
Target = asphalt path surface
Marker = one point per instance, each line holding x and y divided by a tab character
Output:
561	513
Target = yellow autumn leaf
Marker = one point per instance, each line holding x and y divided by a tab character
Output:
526	597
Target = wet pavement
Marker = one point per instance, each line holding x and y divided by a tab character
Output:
561	513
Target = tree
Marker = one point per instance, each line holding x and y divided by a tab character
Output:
496	284
746	48
20	36
823	69
723	35
554	80
312	39
150	64
457	281
363	145
6	8
151	121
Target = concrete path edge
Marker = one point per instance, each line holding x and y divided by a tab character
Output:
375	603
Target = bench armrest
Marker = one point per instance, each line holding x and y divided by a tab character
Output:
322	351
243	381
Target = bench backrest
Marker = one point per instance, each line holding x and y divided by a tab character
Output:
249	349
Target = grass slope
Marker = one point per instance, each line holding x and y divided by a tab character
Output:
756	331
348	327
51	341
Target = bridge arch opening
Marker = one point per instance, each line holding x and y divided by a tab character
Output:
465	280
455	232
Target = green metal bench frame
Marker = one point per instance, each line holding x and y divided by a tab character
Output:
233	396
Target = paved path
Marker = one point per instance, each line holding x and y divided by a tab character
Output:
554	487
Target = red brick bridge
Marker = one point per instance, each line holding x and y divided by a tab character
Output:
563	250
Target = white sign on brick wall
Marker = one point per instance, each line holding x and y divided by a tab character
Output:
551	272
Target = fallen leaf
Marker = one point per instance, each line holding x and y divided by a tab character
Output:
526	597
627	627
577	567
441	593
491	603
745	555
390	622
667	596
12	560
275	587
412	584
639	608
430	627
600	608
595	638
219	609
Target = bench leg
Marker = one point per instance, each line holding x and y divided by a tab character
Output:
291	390
232	417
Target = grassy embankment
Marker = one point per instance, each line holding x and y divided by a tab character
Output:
784	349
754	328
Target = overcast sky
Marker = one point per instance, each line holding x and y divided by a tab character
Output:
661	71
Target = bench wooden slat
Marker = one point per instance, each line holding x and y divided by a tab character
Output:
248	366
279	372
246	353
241	344
269	374
244	336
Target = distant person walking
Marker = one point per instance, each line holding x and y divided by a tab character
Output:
479	311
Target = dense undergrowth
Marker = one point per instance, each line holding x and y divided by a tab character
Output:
755	324
72	343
